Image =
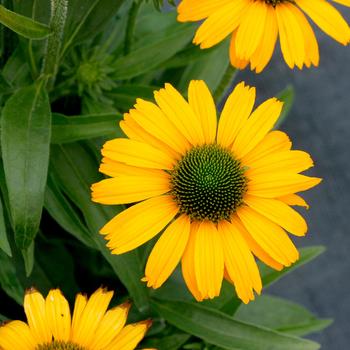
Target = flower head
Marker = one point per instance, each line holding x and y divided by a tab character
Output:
52	327
220	191
256	24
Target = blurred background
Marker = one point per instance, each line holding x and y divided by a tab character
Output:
319	123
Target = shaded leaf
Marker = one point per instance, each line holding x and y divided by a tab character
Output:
28	258
22	25
25	141
4	243
287	96
221	330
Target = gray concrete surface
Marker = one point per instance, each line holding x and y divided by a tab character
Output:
320	124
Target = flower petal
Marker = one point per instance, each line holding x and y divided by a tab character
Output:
16	335
167	252
294	199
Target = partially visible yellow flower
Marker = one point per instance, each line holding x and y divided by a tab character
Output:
221	191
256	24
91	327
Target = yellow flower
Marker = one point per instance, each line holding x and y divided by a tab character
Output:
256	24
220	191
91	327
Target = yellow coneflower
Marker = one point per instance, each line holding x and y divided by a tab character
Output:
91	327
256	24
221	192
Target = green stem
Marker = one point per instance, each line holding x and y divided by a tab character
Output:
130	29
53	47
225	83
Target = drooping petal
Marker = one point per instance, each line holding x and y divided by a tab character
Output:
130	189
271	237
234	59
239	262
208	260
58	315
278	212
202	103
256	127
235	113
167	252
83	332
294	199
139	223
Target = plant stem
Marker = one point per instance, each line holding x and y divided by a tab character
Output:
54	42
130	28
225	83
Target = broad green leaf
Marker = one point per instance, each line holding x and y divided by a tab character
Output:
4	243
287	96
22	25
150	56
9	280
124	96
25	141
204	68
28	258
281	315
222	330
307	254
76	170
75	128
64	213
170	342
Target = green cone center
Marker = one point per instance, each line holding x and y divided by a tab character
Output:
59	345
208	183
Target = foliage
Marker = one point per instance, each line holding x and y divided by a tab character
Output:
65	83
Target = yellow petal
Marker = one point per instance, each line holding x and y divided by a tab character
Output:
16	335
234	59
179	112
136	153
294	199
139	223
262	55
129	337
271	237
239	262
187	264
274	141
257	126
193	10
111	324
328	18
83	332
286	161
58	315
278	212
208	260
235	113
34	307
150	117
202	103
79	306
254	246
343	2
130	189
280	184
221	23
167	252
291	36
251	29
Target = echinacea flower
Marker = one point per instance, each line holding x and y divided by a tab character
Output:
255	25
91	327
220	191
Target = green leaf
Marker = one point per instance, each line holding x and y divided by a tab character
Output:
221	330
4	243
3	318
170	342
9	279
75	128
25	141
150	56
307	254
281	315
287	96
76	170
23	25
28	258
